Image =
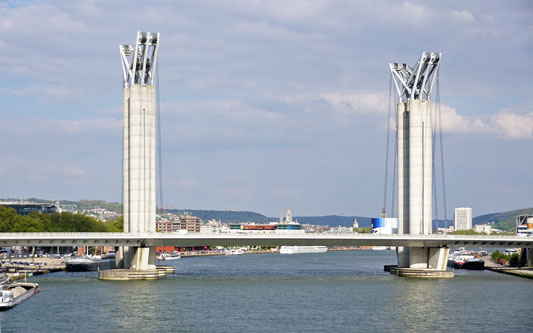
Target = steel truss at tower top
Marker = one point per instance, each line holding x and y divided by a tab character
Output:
416	83
139	62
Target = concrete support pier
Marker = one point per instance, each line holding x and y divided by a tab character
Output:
415	166
139	157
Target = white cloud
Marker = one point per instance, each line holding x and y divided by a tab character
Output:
505	124
360	103
464	16
188	182
39	128
73	170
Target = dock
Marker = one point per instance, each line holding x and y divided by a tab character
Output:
492	265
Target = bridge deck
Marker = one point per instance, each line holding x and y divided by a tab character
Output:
260	239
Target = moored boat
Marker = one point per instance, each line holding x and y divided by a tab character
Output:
83	264
475	264
302	249
233	252
169	256
16	293
4	278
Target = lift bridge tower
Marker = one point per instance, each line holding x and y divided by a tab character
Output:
139	64
414	85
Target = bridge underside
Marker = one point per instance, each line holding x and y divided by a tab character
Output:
218	239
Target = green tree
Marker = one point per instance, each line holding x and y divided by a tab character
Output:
514	259
116	225
7	218
466	232
27	224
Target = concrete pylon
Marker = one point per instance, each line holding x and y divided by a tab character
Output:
139	171
139	148
415	161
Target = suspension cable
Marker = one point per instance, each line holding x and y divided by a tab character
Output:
395	168
160	157
433	173
387	149
439	111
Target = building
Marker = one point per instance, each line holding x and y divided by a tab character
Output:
25	208
524	225
189	223
483	228
462	218
384	225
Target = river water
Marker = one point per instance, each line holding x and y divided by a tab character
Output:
325	292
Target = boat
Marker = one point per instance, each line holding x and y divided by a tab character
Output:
84	264
511	251
232	252
169	256
459	261
4	278
302	249
109	255
16	293
475	264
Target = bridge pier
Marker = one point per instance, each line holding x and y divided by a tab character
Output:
428	262
415	166
136	258
139	154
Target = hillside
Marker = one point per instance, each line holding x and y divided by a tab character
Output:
505	220
333	220
224	216
84	204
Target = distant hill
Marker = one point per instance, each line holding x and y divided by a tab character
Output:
333	220
224	216
85	204
505	220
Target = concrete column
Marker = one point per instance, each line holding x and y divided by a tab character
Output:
420	178
420	167
403	181
139	171
403	169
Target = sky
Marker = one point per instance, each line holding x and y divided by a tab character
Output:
265	105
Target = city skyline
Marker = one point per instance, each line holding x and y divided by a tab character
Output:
265	106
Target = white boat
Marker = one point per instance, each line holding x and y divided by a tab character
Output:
169	256
4	279
232	252
16	293
302	249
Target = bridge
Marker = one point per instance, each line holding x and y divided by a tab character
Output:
257	239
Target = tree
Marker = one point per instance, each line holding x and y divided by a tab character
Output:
514	259
7	218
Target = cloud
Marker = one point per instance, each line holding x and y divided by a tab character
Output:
506	124
40	128
73	170
187	182
360	103
464	16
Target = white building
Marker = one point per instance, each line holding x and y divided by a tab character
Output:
463	218
483	228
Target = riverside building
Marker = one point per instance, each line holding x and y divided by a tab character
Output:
463	218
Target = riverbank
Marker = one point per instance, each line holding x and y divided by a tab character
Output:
492	265
21	268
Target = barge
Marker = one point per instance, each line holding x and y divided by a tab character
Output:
16	293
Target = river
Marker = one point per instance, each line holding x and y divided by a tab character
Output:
324	292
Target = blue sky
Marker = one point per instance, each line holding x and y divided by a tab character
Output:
265	105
